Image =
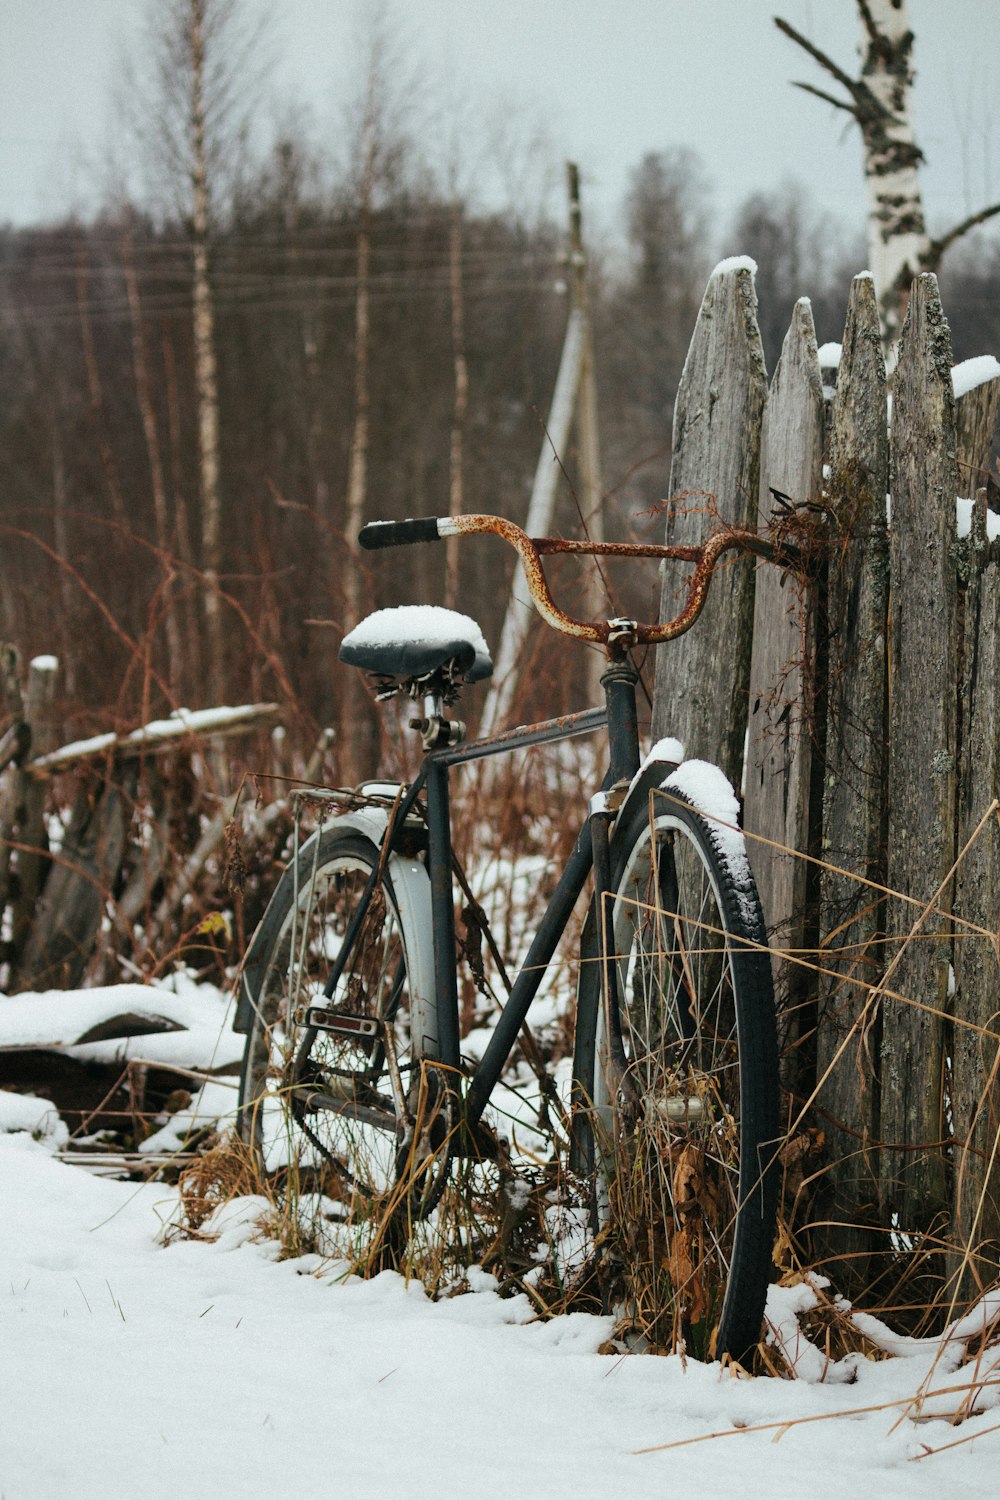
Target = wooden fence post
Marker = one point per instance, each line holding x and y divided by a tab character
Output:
976	1055
922	748
852	915
702	680
780	749
975	428
39	698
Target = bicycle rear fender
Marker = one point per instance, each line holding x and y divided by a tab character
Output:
412	889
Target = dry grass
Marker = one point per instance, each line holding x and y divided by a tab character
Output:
501	1210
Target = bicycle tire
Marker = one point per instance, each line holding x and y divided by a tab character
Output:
347	1157
683	1141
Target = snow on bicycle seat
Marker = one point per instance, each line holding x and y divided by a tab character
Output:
415	640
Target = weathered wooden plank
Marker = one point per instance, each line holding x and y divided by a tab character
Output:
702	680
39	701
976	1057
922	745
779	751
68	917
161	735
852	915
17	741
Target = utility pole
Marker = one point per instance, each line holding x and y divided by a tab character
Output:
575	395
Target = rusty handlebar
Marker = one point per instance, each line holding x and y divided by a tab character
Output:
378	534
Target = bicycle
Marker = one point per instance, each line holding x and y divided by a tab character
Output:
353	1070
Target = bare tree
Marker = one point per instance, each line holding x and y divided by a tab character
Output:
192	110
377	146
899	245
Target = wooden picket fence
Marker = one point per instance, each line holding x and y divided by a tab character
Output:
867	699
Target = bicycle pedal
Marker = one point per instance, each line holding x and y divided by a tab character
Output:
341	1022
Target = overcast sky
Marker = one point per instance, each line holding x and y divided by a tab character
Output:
611	79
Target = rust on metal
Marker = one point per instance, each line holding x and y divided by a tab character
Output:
705	558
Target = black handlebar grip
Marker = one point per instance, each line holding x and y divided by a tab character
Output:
398	533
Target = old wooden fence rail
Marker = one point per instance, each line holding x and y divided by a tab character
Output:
53	904
868	702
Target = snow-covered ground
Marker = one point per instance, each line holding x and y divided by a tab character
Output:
133	1367
138	1363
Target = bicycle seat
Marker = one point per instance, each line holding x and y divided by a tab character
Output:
415	640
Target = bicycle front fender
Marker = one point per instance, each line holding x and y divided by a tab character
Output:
412	889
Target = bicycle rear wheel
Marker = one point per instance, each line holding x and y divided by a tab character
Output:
685	1123
337	1096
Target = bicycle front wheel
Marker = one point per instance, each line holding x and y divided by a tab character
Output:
685	1112
336	1096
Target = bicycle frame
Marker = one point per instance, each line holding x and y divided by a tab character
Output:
591	851
619	716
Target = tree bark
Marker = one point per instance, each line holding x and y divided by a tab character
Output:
455	486
206	381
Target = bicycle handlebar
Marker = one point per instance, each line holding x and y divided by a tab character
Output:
378	534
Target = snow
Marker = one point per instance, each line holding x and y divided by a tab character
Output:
416	622
183	721
710	791
736	263
36	1116
972	372
667	749
200	1015
963	519
829	356
45	663
212	1369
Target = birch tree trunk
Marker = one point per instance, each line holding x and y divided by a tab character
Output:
880	101
455	486
206	383
898	242
357	757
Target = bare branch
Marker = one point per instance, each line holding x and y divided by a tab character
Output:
875	36
822	94
825	62
936	249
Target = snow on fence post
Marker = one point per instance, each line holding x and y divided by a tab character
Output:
975	1054
780	748
977	402
923	605
702	679
852	915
